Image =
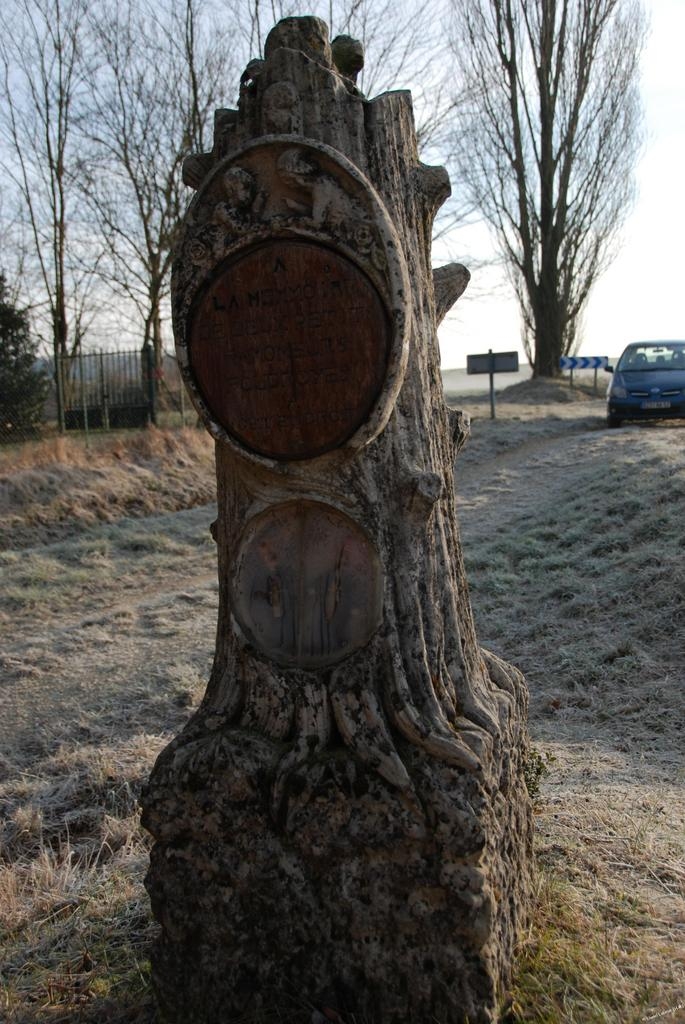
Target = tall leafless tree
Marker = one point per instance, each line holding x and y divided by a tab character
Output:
152	97
43	62
549	135
14	245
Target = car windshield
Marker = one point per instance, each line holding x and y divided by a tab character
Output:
666	356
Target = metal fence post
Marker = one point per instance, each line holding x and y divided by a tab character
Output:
84	401
149	369
104	394
59	380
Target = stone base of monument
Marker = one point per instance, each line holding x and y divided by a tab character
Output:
382	907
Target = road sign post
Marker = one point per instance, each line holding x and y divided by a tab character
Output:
583	363
491	363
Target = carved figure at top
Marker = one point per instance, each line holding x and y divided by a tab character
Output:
240	189
348	56
250	75
271	102
281	109
308	35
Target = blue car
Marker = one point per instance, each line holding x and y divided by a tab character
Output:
648	382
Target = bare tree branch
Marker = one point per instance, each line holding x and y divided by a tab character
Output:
43	60
151	99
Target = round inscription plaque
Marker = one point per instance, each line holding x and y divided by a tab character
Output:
288	345
308	586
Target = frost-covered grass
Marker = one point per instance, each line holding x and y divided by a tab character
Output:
84	570
575	557
107	620
76	921
583	585
573	537
76	926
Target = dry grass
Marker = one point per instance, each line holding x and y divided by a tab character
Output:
76	926
75	450
57	488
100	663
574	540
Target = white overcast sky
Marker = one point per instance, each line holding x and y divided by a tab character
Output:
642	294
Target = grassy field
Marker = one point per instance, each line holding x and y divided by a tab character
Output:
575	542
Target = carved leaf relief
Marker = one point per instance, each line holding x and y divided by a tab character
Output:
283	185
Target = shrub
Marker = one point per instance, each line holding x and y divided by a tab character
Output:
23	385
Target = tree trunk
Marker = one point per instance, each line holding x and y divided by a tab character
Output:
344	822
549	328
157	340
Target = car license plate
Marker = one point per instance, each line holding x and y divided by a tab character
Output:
655	405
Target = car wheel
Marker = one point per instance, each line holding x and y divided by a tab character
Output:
613	421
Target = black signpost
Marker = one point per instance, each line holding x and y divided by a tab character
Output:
492	363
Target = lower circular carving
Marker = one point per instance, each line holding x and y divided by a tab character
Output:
308	585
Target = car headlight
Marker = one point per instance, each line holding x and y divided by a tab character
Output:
618	392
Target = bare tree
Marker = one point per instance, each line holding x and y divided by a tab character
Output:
14	246
548	138
151	98
43	68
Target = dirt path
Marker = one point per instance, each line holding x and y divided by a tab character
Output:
516	480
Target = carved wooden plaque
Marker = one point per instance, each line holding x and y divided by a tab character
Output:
307	585
288	345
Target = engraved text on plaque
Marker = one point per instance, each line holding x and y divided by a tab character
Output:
289	345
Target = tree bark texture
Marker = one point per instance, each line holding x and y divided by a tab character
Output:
344	822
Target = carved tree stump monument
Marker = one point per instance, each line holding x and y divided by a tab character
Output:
343	823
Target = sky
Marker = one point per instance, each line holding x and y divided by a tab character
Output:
642	294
